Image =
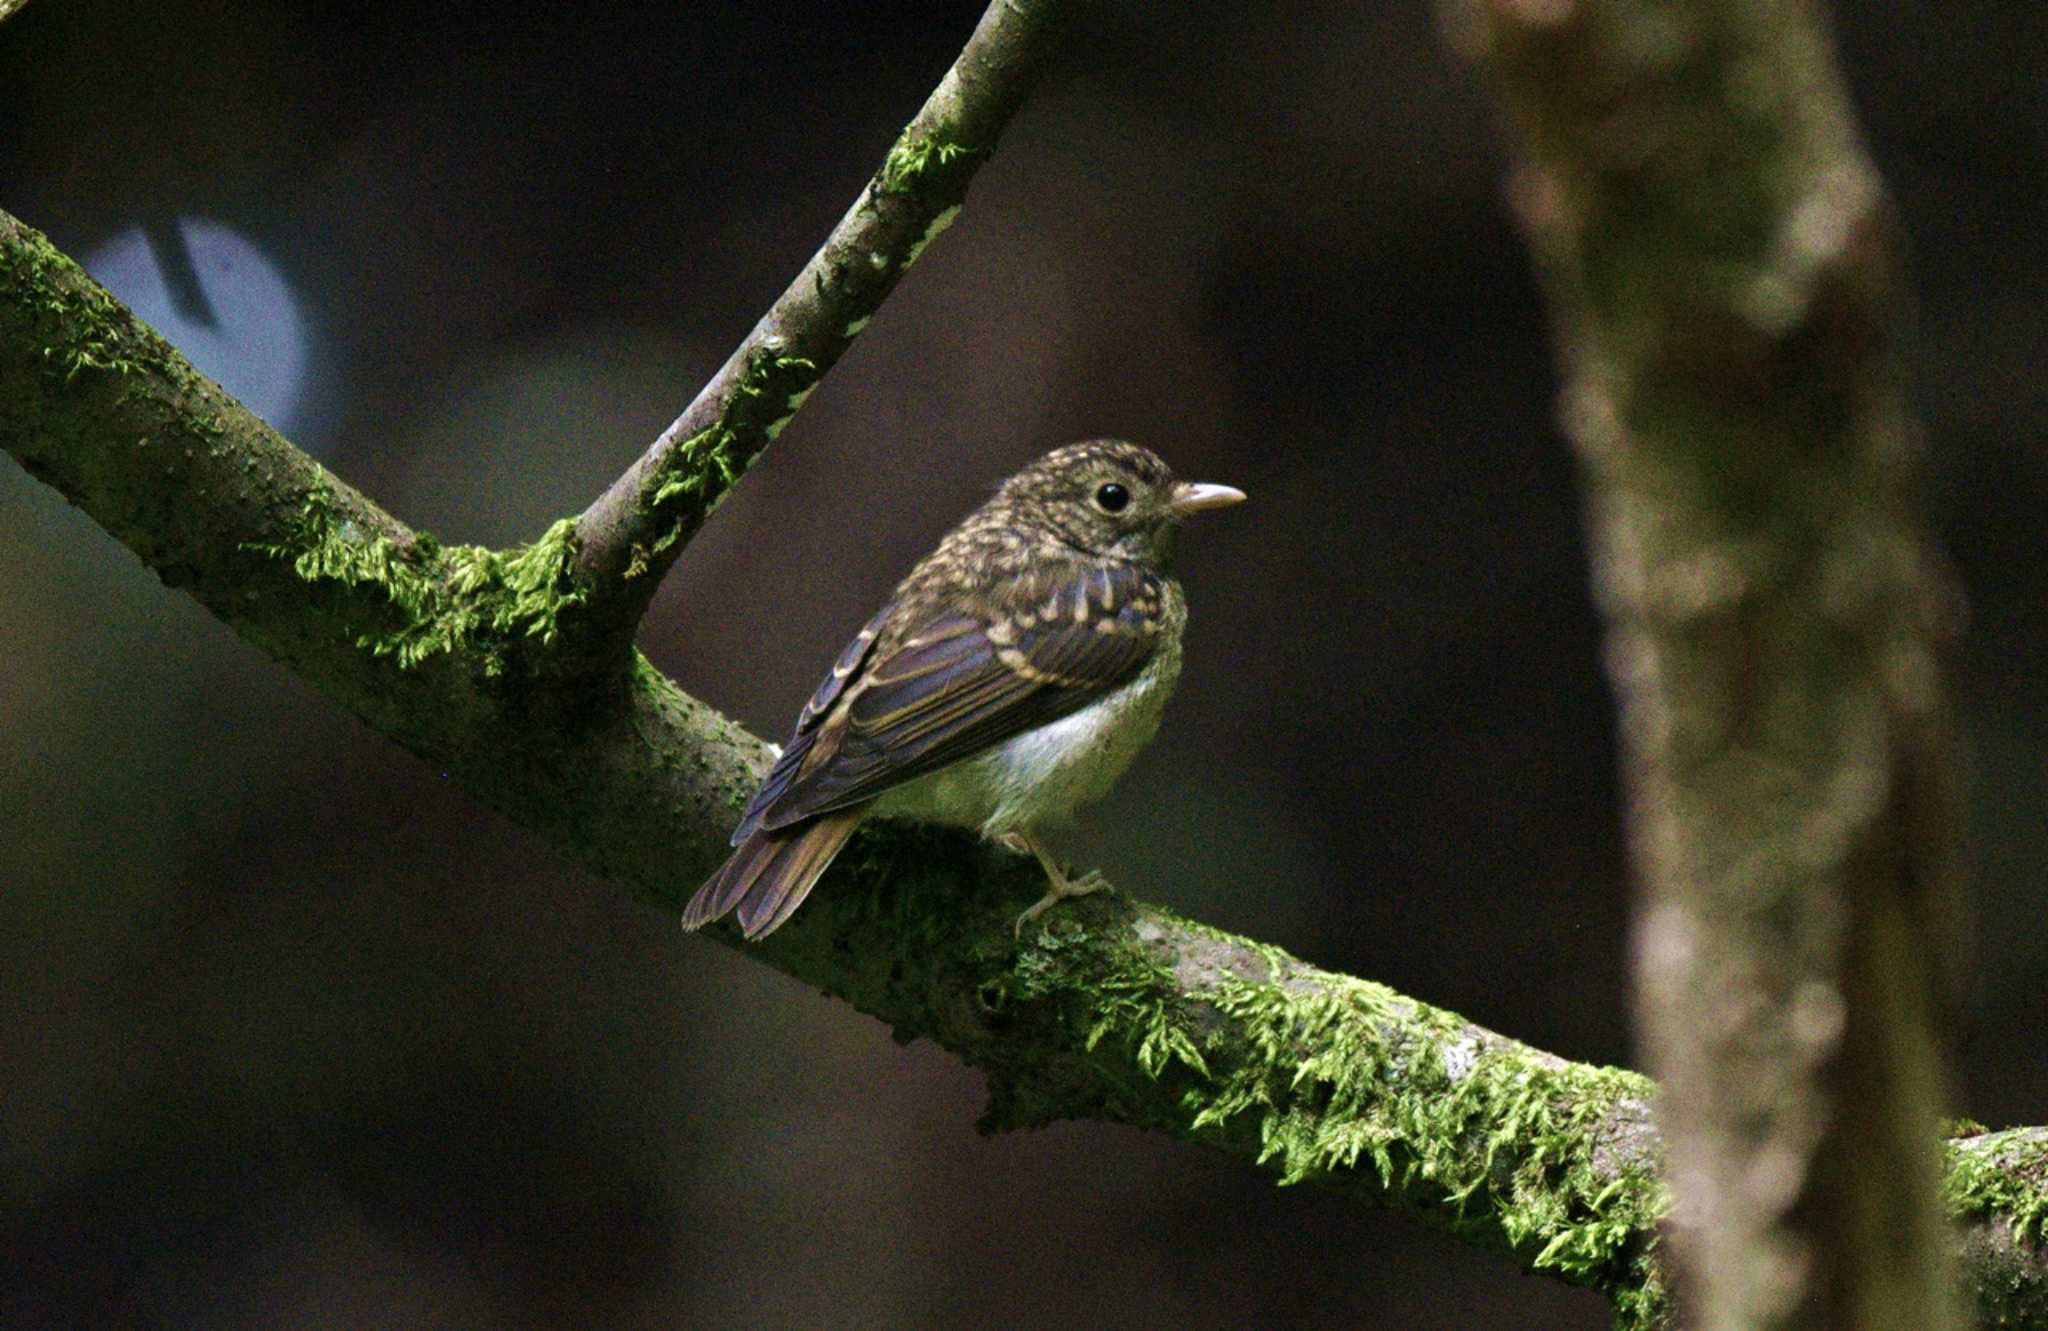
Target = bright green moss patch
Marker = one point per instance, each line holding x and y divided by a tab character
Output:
449	597
1130	994
1138	1001
702	465
90	355
703	468
92	330
915	155
1345	1074
2003	1173
1336	1075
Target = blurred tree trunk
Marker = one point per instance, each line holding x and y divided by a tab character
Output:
1719	257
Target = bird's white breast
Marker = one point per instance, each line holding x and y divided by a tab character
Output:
1041	775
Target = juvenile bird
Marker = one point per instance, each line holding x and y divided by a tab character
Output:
1012	676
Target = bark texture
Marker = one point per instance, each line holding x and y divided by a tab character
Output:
1721	264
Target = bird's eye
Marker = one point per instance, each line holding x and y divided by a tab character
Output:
1112	498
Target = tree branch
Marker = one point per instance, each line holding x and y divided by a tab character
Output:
634	531
1118	1011
1720	260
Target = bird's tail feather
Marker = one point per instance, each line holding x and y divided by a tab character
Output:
771	873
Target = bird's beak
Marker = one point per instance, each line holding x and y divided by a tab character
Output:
1194	496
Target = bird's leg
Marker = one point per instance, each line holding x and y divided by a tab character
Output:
1058	885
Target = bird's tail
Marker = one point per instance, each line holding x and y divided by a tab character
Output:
771	873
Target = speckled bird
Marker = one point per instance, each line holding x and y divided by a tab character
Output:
1010	678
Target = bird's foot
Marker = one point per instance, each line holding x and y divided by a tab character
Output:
1058	885
1060	890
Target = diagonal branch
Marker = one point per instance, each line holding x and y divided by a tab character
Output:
1119	1011
634	531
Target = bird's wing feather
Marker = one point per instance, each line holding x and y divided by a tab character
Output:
805	736
845	668
769	876
960	684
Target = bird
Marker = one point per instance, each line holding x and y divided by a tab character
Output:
1012	676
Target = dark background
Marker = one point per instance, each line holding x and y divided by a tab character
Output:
293	1034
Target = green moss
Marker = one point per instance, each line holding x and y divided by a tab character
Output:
90	355
1340	1075
915	155
1137	1001
449	597
2003	1173
1344	1073
647	676
92	330
1129	991
704	467
701	465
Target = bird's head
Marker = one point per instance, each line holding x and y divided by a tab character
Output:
1112	498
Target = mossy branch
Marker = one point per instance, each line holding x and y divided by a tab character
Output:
1117	1010
634	531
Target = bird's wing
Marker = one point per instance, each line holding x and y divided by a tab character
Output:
956	685
804	738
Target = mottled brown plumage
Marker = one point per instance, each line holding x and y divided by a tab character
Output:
1012	675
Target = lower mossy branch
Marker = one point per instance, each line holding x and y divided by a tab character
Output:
1120	1010
1113	1009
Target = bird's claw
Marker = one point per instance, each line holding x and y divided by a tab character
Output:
1058	885
1087	884
1060	888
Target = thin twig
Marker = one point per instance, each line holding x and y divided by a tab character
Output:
634	531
